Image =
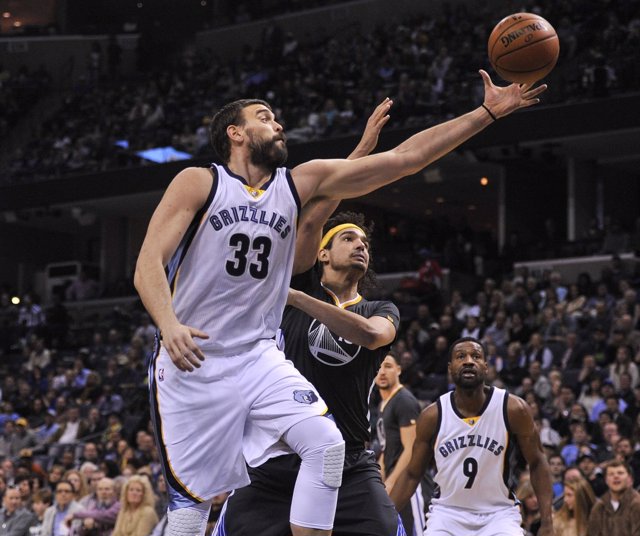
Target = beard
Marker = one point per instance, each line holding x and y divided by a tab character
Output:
267	153
471	382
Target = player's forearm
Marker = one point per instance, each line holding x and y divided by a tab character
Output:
401	465
403	489
367	174
313	218
152	286
348	325
429	145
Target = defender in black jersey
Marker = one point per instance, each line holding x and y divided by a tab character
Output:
396	427
337	339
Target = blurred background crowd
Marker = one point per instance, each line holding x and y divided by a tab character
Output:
77	453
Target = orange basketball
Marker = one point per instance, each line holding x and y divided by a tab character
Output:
523	48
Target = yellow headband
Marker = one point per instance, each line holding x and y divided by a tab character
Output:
334	230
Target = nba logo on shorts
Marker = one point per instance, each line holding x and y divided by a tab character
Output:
161	374
305	397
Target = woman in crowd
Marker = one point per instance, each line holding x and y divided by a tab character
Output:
529	506
79	483
137	515
572	518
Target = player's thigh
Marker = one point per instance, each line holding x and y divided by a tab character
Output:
443	522
280	397
364	506
503	523
191	412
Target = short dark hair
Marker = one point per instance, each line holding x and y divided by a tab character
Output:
43	495
467	339
394	355
229	114
617	463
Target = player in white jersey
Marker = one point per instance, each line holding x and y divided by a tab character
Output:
469	434
212	414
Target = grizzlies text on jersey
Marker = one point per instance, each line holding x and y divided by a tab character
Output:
472	455
229	276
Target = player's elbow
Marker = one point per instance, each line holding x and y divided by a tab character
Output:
372	339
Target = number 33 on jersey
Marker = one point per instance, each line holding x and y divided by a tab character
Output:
237	250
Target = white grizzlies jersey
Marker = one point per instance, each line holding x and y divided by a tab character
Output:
230	275
472	455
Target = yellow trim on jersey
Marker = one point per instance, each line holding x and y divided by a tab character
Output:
254	192
168	461
334	230
336	301
471	421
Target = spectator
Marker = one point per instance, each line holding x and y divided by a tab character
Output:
53	523
71	429
41	500
618	512
137	516
623	363
538	351
557	468
580	444
14	519
79	483
592	472
529	506
572	518
98	517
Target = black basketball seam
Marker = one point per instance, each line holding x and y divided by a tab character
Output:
534	17
527	45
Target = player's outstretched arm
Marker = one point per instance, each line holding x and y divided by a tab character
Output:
528	438
407	438
421	456
342	179
186	194
371	333
316	213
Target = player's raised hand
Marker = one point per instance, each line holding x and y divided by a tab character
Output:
502	101
377	120
179	343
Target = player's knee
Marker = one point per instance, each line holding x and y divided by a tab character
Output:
188	521
320	445
332	465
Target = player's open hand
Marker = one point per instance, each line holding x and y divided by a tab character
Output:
184	352
377	120
504	100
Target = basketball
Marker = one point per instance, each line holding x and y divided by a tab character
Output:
523	48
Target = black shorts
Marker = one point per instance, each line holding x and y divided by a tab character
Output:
263	507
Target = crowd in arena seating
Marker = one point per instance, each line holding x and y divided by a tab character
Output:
19	92
74	409
323	89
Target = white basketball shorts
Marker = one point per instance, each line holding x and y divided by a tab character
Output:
446	521
231	409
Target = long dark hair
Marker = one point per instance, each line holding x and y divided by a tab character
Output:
369	279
